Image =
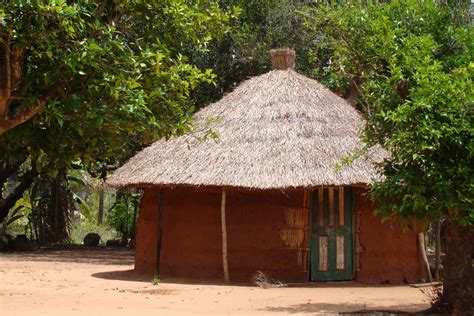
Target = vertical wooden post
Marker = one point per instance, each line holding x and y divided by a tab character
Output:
224	238
159	229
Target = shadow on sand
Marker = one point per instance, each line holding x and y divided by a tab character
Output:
78	254
123	275
131	275
305	308
336	284
350	309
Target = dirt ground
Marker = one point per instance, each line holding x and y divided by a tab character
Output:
101	282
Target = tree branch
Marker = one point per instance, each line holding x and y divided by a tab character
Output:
8	168
16	65
24	183
6	88
21	116
12	76
8	77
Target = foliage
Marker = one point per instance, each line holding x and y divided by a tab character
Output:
113	74
107	78
15	215
156	280
408	64
122	215
55	208
85	190
21	218
29	214
16	223
243	51
80	229
413	67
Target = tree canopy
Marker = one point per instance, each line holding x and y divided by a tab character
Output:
101	73
91	82
412	66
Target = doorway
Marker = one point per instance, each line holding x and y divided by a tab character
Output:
331	234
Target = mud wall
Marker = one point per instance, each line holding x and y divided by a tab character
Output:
192	240
146	234
191	245
258	237
388	254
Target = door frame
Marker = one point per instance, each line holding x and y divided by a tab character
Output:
349	252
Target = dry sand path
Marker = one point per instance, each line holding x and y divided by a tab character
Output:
99	282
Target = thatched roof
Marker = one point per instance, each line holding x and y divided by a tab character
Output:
277	130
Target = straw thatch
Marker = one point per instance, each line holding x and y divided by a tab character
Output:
277	130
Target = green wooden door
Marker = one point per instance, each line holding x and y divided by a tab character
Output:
331	234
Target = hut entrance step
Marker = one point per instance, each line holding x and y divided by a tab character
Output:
331	234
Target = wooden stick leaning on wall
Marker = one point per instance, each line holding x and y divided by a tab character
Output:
224	238
159	228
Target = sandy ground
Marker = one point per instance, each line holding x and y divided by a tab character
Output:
100	282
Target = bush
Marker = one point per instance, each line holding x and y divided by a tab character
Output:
81	229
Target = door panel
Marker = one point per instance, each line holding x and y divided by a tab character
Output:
331	234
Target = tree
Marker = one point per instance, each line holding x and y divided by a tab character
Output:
244	51
411	63
91	82
53	213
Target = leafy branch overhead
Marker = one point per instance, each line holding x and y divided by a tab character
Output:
412	65
95	71
91	82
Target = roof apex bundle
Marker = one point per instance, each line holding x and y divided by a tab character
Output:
275	131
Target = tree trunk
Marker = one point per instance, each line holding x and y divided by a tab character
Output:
119	194
458	288
57	204
54	208
100	213
437	248
422	246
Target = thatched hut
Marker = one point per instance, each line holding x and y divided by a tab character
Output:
267	194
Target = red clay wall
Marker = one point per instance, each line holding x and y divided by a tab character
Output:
191	245
192	242
147	226
389	255
256	219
